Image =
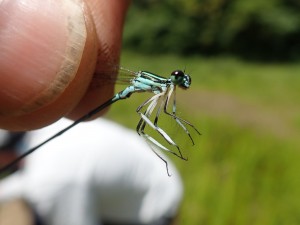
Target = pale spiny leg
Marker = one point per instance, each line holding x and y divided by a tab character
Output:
155	123
152	142
145	120
174	116
147	101
149	140
141	125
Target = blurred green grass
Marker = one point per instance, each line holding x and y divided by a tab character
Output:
245	166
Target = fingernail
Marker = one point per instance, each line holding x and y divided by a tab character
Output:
41	50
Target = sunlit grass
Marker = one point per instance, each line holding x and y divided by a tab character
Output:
244	168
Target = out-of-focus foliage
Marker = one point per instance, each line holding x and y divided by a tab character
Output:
250	28
244	168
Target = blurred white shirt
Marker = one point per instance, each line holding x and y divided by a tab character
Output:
97	171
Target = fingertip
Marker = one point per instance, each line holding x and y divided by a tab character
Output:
48	54
42	76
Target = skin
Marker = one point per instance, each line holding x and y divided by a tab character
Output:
54	55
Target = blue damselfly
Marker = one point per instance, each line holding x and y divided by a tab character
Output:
142	81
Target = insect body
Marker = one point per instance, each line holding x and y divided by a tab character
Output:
142	81
163	88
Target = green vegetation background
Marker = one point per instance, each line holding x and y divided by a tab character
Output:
245	167
253	29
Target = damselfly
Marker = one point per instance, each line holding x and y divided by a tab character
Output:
142	81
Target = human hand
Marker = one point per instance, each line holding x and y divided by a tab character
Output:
51	57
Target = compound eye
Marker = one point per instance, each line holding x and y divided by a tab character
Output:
177	73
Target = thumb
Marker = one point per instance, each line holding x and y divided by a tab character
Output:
42	44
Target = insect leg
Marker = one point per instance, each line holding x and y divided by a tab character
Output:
150	141
145	120
179	120
153	101
161	132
